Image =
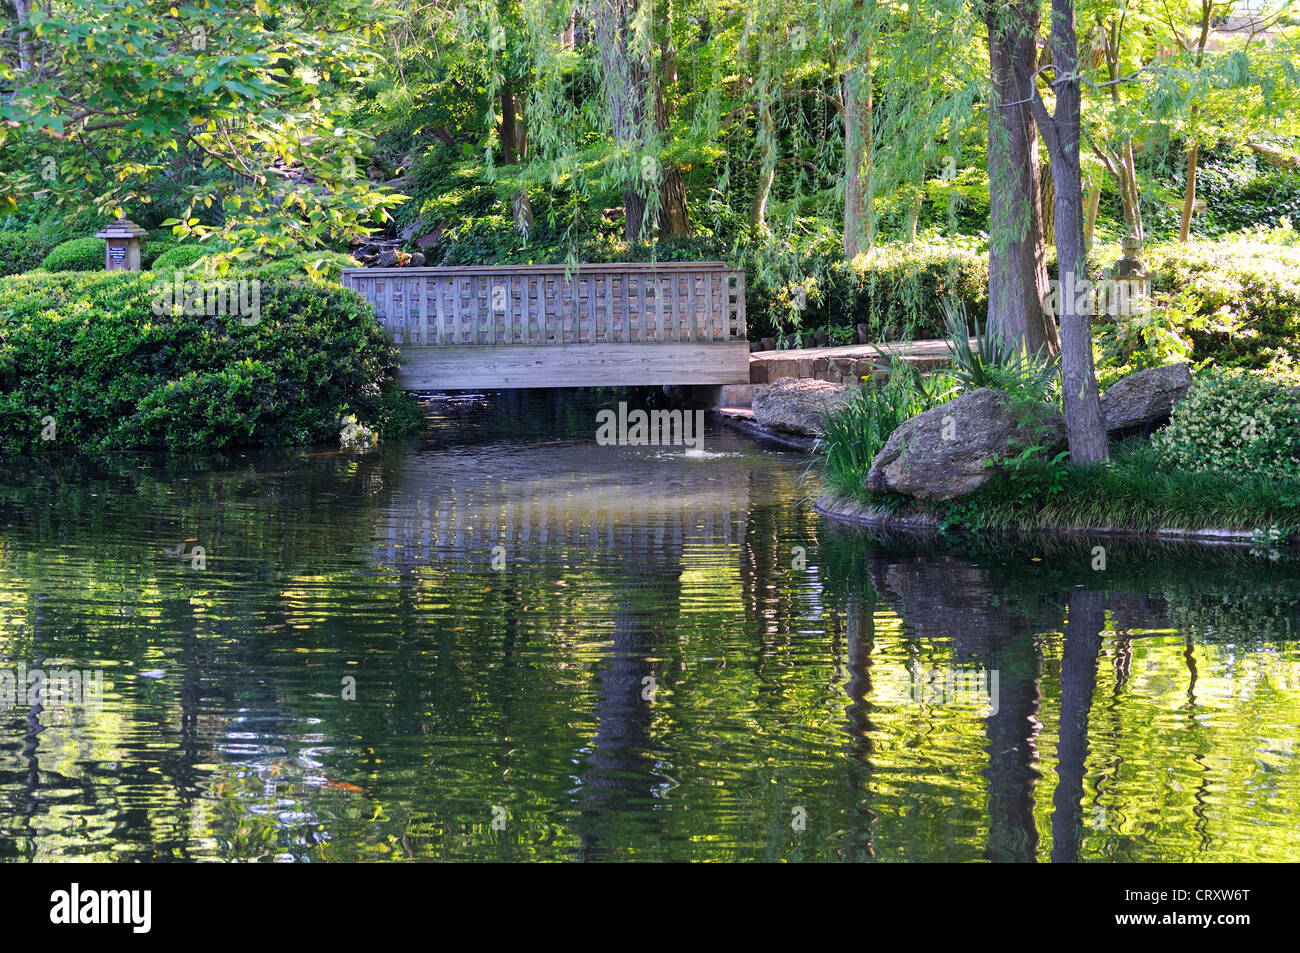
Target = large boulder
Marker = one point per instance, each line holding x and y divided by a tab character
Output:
1144	398
797	405
942	453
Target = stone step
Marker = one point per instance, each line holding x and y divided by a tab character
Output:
844	364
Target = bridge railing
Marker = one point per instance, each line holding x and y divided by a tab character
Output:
673	302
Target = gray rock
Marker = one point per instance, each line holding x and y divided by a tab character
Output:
410	231
942	453
417	260
1147	397
388	258
795	405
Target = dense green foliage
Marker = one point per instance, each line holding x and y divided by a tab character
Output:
1236	301
89	354
181	256
853	434
24	249
1136	491
77	254
1234	423
996	362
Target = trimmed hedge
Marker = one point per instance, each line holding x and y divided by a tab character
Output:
323	265
896	291
90	352
318	265
77	254
154	247
182	256
22	250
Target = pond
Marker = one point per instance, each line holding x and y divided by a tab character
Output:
506	642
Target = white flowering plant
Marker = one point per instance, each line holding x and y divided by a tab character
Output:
1234	422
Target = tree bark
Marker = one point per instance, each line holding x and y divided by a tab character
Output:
623	79
1017	261
767	169
1048	192
1084	429
512	150
859	116
627	77
913	216
26	58
674	216
1091	208
1121	163
1189	194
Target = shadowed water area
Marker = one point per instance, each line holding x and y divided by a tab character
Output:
564	651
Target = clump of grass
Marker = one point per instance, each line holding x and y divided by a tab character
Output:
854	433
1135	490
997	361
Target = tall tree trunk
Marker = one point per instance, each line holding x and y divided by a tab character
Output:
1121	162
1084	429
859	110
26	58
512	149
766	170
1017	261
623	83
626	79
913	216
1189	194
674	216
1132	196
1048	192
1091	206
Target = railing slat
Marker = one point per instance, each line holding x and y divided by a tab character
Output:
659	303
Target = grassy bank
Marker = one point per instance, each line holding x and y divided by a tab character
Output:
1229	459
1134	491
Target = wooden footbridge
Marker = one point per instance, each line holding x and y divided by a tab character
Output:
498	327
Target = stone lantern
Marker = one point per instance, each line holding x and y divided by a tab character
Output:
122	245
1130	282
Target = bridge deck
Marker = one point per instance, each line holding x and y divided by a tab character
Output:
550	326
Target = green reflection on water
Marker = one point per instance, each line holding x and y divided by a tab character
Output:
648	677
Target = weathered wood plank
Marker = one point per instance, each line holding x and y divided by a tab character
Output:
660	303
423	283
572	365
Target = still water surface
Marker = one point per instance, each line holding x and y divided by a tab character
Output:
570	652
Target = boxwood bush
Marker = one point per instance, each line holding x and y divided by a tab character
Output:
182	256
77	254
155	246
90	354
22	250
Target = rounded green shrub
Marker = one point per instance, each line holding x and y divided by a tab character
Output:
181	256
154	247
312	265
21	250
118	366
78	254
1234	422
